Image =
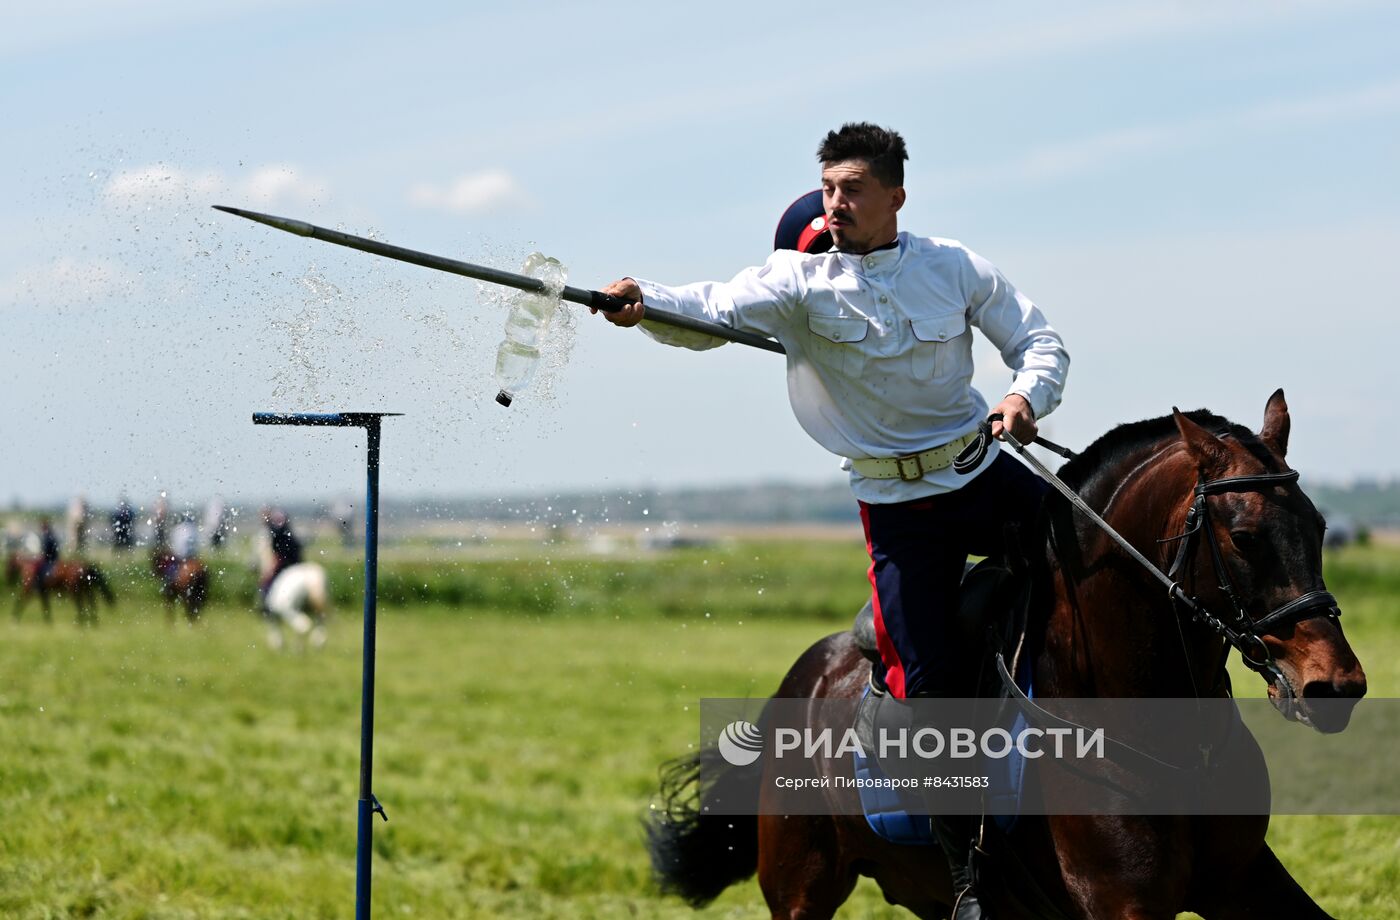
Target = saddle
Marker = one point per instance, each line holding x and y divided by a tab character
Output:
169	571
992	619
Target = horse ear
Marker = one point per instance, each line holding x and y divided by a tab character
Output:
1210	453
1276	424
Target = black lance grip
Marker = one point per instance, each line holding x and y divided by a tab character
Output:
605	302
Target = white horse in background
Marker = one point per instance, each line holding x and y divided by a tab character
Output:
297	600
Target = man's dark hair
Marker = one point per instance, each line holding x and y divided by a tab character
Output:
882	148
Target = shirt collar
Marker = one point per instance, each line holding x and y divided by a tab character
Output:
877	261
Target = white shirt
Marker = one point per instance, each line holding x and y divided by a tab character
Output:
879	346
184	540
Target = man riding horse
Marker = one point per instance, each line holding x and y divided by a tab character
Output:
48	557
880	367
286	548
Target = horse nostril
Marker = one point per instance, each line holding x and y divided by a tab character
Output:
1346	688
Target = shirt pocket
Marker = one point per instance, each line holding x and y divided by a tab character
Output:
938	345
838	341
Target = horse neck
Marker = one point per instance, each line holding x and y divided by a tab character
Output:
1113	632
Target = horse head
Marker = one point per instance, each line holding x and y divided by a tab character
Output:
1254	564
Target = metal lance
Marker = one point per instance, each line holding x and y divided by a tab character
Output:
596	299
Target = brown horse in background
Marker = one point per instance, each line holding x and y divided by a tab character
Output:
185	580
82	581
1101	627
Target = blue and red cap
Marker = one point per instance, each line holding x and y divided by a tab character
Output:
803	226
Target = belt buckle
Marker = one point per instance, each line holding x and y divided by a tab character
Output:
918	468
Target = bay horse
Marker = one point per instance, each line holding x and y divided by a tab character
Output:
82	581
183	580
1105	628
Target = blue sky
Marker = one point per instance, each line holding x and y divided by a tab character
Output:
1202	197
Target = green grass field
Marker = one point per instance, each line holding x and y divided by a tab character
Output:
523	707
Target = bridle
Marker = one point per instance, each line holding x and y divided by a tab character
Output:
1238	629
1241	631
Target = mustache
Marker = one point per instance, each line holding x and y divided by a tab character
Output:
842	216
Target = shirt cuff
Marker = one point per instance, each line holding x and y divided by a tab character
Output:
1035	392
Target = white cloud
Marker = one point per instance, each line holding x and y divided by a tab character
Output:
159	183
281	185
476	193
68	282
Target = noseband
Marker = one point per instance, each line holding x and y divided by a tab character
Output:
1242	631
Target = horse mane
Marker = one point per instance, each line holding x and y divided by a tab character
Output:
1120	445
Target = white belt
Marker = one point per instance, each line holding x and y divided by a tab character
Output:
912	467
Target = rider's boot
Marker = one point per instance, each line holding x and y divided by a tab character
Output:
955	837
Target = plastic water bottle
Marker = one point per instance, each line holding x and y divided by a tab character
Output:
527	326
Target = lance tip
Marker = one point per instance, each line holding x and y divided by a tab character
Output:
299	227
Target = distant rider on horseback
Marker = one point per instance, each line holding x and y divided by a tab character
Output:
286	548
879	351
48	555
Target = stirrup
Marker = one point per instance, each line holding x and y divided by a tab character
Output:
967	906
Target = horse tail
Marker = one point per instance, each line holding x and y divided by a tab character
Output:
697	850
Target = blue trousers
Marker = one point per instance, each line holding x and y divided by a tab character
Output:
917	553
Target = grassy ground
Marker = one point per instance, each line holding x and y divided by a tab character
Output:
151	772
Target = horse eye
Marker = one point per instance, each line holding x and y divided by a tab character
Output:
1244	540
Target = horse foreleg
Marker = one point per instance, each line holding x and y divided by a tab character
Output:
1263	888
799	867
275	640
1125	867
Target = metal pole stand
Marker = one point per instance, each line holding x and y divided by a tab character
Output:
368	804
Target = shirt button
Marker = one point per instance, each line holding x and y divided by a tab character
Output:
884	299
